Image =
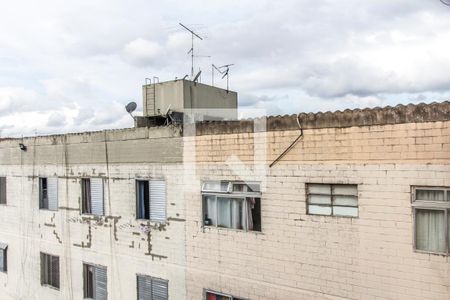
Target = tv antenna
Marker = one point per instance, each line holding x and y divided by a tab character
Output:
191	51
225	72
446	2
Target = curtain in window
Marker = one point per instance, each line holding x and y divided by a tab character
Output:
250	202
223	212
211	209
430	230
430	195
236	215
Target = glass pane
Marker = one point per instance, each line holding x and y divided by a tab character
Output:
224	212
430	195
345	189
210	210
215	186
236	213
319	210
345	211
243	187
430	230
345	200
320	199
319	189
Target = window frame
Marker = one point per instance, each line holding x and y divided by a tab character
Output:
85	208
43	283
151	279
41	194
231	297
4	248
307	186
443	205
230	194
149	183
85	265
4	178
137	181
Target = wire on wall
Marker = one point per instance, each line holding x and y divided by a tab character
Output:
291	145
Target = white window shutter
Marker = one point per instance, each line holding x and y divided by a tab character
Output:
144	288
101	284
159	289
157	200
52	193
97	196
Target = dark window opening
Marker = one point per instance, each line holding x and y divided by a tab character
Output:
88	275
3	258
143	199
2	190
86	196
43	193
50	270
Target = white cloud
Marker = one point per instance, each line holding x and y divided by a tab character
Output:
142	53
85	60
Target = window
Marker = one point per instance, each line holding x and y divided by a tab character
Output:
151	200
235	205
48	193
432	221
92	196
332	199
50	270
210	295
149	288
2	190
3	257
95	282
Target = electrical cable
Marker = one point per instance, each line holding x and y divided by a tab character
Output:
291	145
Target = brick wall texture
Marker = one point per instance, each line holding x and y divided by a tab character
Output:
295	256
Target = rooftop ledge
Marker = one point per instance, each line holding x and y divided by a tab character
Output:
400	114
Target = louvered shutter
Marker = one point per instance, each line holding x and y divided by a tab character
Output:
2	190
101	292
52	193
3	249
55	271
144	288
97	196
159	289
2	260
157	200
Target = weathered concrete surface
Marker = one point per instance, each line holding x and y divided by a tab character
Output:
400	114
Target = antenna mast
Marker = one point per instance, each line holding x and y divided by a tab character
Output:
193	34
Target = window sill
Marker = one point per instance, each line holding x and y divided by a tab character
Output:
50	286
47	209
210	227
444	254
151	221
334	216
91	215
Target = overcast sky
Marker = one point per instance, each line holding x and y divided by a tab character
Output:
70	66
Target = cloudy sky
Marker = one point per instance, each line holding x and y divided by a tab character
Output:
72	65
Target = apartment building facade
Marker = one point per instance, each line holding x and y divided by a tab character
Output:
343	205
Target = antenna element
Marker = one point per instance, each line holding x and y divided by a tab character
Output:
191	51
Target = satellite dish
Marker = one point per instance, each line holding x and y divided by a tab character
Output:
446	2
130	107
